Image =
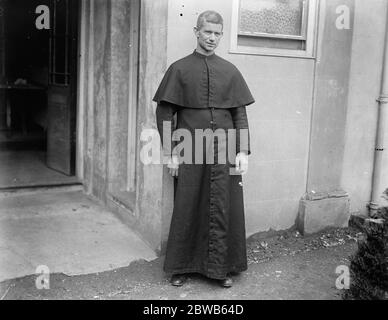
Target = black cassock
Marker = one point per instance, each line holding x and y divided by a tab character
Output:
207	232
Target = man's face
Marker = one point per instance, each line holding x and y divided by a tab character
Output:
209	36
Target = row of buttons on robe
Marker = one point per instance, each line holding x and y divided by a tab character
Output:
212	121
210	85
211	235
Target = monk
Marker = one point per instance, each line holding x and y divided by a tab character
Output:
207	94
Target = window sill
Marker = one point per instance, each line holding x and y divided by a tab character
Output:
272	52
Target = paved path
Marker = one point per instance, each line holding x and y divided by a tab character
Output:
65	231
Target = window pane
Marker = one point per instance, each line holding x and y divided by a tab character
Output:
60	54
283	17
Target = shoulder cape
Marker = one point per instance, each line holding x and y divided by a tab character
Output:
199	81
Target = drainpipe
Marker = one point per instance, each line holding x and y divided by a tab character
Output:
381	129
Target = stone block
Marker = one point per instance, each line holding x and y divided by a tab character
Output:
317	215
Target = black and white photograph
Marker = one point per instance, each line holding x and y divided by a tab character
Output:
192	156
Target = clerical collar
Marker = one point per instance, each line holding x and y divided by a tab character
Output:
200	55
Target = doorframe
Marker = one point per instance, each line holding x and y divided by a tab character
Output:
85	96
81	70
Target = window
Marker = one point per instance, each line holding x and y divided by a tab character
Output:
274	27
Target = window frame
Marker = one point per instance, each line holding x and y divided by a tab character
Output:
309	37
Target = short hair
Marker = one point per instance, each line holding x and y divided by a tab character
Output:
209	16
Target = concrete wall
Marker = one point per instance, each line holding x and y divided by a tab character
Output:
362	112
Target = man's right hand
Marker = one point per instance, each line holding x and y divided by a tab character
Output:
173	166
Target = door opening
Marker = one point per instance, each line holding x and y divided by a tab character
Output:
38	90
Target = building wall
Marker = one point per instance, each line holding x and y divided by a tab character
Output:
305	124
281	119
364	89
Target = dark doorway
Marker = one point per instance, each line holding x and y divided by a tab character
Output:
38	81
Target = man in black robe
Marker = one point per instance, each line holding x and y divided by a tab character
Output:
207	232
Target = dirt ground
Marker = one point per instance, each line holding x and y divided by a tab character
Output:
281	265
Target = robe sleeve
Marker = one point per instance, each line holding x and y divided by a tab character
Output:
165	112
240	121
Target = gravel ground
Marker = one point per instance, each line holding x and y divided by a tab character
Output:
269	245
281	265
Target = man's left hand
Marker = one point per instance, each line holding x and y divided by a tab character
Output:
242	163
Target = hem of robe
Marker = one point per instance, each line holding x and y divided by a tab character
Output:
220	275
